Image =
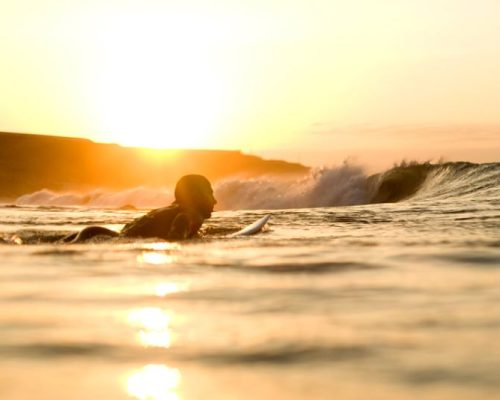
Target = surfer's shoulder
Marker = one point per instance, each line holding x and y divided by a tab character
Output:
172	209
156	223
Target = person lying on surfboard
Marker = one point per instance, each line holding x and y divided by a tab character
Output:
194	202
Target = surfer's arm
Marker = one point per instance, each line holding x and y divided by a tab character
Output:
181	227
88	233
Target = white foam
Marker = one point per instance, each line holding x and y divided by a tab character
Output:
140	197
342	185
322	187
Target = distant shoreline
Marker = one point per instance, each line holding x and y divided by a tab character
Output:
31	162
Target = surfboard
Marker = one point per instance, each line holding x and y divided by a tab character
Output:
253	228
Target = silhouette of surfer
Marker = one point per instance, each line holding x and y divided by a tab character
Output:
194	202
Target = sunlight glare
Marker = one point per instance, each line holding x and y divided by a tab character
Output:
155	258
154	326
156	253
158	87
154	382
166	288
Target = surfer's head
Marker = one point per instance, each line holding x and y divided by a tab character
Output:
195	192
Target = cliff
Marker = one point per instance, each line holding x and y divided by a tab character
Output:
32	162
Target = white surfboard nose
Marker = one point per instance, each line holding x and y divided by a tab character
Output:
253	228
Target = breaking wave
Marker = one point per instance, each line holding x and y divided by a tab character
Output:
139	197
343	185
436	181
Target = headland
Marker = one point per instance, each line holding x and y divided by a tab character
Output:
31	162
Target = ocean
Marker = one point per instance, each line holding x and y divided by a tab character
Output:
381	287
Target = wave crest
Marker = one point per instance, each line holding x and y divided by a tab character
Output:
323	187
343	185
140	197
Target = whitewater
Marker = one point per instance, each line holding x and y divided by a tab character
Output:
382	287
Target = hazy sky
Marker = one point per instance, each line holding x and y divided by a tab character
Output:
311	81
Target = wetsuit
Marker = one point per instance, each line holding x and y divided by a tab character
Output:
168	223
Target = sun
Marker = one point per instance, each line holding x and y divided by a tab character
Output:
158	88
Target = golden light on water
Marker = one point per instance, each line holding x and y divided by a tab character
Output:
166	288
155	338
158	254
154	326
155	258
154	382
163	246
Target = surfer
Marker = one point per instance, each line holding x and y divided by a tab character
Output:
194	202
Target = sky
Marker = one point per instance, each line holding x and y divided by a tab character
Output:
314	81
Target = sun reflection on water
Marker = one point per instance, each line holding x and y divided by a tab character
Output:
162	246
154	382
155	258
154	326
158	253
166	288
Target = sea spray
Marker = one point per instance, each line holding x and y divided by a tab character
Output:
342	185
323	187
48	197
140	197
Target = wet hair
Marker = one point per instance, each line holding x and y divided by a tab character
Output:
190	187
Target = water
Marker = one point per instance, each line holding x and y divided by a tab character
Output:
380	301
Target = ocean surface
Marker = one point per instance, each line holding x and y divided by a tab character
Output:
341	297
